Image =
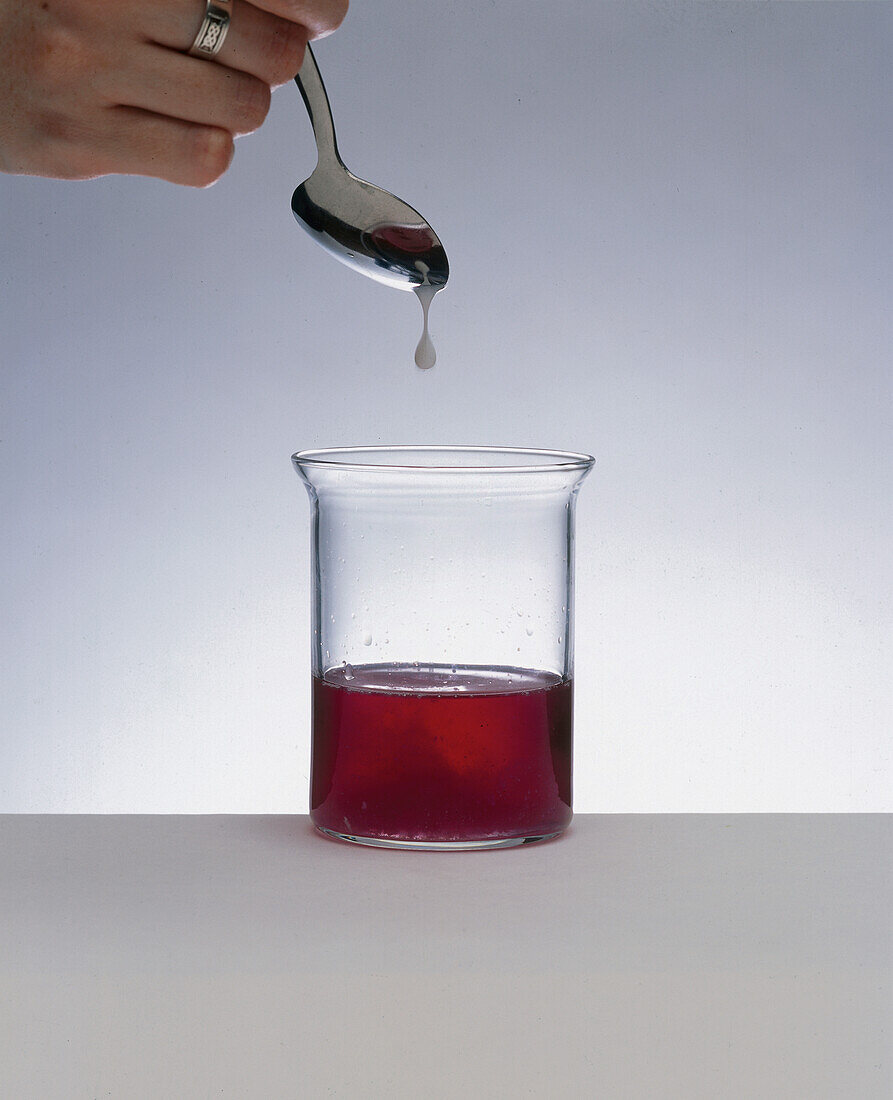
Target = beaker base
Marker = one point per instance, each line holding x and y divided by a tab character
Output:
441	845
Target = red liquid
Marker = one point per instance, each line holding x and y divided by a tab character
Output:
408	238
409	753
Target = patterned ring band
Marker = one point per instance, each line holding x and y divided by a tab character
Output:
213	29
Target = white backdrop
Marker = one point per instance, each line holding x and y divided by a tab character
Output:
669	235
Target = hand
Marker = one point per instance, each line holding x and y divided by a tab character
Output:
92	87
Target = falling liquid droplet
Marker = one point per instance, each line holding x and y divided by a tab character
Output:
425	355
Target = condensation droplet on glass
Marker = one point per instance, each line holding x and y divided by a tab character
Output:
529	631
348	673
367	639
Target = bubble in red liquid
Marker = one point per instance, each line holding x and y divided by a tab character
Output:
404	238
407	754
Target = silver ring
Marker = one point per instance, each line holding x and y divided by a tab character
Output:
213	29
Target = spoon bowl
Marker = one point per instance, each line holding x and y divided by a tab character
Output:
369	229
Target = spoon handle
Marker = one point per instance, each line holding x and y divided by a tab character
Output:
316	101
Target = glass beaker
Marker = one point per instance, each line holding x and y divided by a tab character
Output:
442	648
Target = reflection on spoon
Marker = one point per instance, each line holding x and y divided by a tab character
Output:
425	355
391	239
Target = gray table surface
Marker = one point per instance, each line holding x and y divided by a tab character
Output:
638	956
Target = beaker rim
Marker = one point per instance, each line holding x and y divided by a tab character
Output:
455	459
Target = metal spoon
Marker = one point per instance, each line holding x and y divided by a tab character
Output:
361	225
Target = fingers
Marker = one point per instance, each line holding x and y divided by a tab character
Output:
190	89
264	45
320	17
128	141
142	144
265	37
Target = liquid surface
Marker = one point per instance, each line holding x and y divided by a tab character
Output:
440	753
